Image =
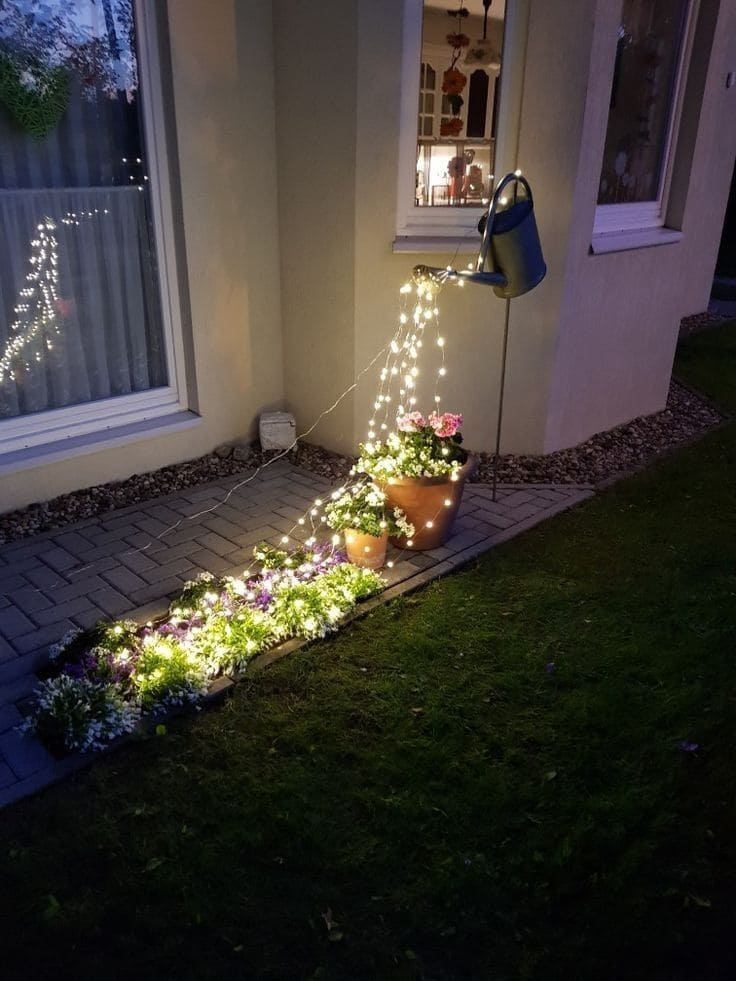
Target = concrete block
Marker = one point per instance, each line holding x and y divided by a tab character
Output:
13	623
23	754
111	602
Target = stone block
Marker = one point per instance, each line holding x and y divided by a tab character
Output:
23	754
13	623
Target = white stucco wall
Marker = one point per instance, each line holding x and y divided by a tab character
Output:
592	346
338	93
288	136
621	311
222	64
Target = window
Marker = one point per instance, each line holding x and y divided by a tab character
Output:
458	122
86	340
648	81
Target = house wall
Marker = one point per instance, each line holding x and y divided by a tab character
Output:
621	311
316	63
223	107
337	106
593	345
287	120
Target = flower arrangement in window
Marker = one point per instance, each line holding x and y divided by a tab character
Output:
453	80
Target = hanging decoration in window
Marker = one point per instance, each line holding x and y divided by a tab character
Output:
482	53
453	80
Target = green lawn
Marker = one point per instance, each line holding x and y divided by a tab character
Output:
463	810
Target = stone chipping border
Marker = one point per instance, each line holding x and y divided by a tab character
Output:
600	459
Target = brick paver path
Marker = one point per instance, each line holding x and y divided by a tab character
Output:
115	565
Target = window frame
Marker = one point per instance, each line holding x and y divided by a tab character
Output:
51	425
652	215
428	229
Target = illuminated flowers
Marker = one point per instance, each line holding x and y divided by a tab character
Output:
420	447
447	424
364	508
453	82
106	677
410	422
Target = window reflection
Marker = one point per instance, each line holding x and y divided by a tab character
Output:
645	72
458	95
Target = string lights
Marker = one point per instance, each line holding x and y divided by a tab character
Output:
399	380
37	309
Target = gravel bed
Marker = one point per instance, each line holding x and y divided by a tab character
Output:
620	450
604	455
700	321
623	449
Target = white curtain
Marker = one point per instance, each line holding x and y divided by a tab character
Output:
99	333
105	335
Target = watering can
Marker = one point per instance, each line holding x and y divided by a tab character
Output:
510	244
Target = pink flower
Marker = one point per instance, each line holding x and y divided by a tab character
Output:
446	424
411	422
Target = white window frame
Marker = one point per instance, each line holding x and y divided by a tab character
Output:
40	428
425	228
641	215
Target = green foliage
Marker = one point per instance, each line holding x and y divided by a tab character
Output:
421	453
229	641
167	673
35	95
194	592
307	609
363	507
274	558
79	714
352	583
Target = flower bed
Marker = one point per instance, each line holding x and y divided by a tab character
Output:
103	680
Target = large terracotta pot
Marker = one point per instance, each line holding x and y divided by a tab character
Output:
430	503
366	551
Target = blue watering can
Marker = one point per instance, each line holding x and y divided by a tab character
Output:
510	245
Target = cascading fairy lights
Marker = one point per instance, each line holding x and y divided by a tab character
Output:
37	309
396	394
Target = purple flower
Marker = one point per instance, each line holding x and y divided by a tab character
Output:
687	747
550	667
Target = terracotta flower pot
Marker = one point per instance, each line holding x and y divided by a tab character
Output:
366	551
430	504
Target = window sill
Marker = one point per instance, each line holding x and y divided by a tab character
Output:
436	244
640	238
64	449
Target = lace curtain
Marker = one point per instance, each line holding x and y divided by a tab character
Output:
80	314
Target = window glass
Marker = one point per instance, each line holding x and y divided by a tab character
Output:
80	316
642	95
459	87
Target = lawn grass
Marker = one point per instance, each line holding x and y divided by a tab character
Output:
462	808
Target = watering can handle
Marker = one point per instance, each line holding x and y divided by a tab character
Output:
486	240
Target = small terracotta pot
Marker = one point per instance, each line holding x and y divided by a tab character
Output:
366	551
428	500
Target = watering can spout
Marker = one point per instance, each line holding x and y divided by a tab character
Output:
510	244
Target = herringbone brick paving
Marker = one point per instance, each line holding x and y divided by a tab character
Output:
131	562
